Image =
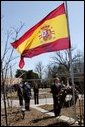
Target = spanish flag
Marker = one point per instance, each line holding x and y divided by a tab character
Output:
50	34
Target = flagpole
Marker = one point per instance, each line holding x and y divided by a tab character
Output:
70	60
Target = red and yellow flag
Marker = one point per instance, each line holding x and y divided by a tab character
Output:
50	34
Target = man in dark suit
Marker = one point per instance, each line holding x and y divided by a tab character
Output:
20	93
55	89
27	94
36	92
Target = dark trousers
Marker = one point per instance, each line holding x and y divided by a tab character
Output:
27	103
36	100
57	107
20	101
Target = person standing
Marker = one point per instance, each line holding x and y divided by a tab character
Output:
27	94
55	89
36	92
20	93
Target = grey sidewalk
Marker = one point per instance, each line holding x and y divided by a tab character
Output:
41	101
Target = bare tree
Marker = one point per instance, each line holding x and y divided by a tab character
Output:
63	58
50	71
60	63
7	60
39	69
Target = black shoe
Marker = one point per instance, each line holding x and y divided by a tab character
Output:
27	109
56	115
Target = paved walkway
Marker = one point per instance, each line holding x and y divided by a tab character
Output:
41	102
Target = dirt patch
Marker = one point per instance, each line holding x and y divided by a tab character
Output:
32	118
48	107
68	111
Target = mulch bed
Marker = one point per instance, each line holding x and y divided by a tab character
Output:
67	111
64	111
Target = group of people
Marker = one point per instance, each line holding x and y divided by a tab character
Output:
58	90
24	93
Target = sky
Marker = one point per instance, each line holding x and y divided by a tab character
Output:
30	13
